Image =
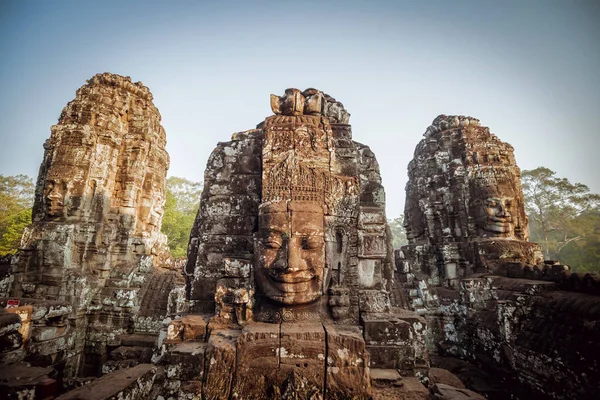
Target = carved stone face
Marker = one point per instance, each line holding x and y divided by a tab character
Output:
54	195
495	216
290	252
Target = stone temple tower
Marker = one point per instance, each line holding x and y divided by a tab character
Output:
464	210
95	239
290	259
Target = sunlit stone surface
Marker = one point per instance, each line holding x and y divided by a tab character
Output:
95	248
291	247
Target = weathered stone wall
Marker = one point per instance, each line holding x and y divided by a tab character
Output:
221	240
46	335
6	275
525	331
99	194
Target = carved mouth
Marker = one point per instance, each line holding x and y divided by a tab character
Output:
54	206
292	278
500	220
293	288
500	227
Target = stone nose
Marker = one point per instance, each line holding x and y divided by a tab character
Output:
503	210
294	261
54	194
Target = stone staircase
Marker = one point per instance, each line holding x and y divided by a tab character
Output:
387	384
182	357
133	349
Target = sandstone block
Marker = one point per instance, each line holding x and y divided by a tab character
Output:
143	354
446	392
347	363
302	351
132	383
194	327
374	301
258	351
185	361
220	364
396	357
386	331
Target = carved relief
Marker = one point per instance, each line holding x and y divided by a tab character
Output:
372	245
464	186
290	252
309	102
54	195
339	302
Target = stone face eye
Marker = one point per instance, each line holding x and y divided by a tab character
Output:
308	243
271	243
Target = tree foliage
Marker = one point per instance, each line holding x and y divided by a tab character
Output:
16	200
181	205
564	218
398	232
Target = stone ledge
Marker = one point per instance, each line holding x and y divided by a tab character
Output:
131	384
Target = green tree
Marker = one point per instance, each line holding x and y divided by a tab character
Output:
186	192
16	200
584	255
181	206
398	232
562	215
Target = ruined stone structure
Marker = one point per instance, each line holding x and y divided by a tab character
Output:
290	259
291	289
469	268
464	210
95	243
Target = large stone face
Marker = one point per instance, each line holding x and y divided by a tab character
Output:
100	191
291	249
471	271
290	252
464	208
292	219
95	241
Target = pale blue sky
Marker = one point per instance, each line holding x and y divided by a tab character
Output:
530	70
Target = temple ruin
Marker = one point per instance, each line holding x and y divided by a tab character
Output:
94	265
291	288
485	290
290	259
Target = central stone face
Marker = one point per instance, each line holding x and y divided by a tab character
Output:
290	252
291	258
